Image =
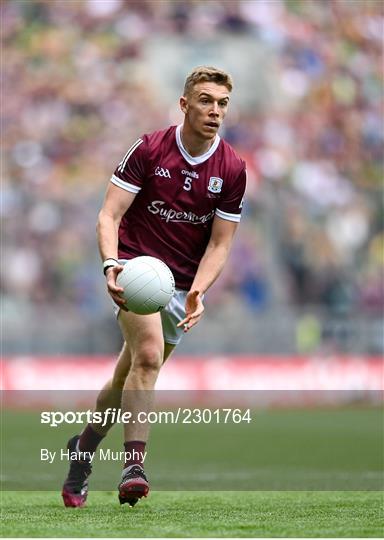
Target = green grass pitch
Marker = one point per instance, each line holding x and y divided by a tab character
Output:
291	473
197	514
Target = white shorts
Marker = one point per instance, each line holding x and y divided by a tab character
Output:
171	315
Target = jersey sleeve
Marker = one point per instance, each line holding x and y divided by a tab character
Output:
231	202
130	172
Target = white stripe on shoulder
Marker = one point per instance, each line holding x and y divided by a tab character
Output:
125	185
123	162
228	216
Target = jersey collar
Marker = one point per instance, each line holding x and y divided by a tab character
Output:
195	160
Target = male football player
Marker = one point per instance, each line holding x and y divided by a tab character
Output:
176	195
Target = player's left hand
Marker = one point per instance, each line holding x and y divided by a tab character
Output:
194	310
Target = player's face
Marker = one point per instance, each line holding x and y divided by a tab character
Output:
205	108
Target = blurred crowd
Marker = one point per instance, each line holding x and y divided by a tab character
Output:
77	91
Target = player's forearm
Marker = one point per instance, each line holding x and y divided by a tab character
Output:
210	267
107	229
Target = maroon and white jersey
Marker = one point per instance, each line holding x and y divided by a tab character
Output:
177	197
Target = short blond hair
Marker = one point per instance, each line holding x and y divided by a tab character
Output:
207	74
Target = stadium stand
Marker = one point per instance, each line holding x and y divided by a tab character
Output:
83	79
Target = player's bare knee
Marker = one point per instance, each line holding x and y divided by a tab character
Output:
148	358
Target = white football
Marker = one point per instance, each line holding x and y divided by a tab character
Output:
148	284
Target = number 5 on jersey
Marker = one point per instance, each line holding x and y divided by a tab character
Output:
187	184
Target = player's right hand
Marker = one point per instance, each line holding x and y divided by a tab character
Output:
115	291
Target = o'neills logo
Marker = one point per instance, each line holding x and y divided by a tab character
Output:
192	174
170	214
